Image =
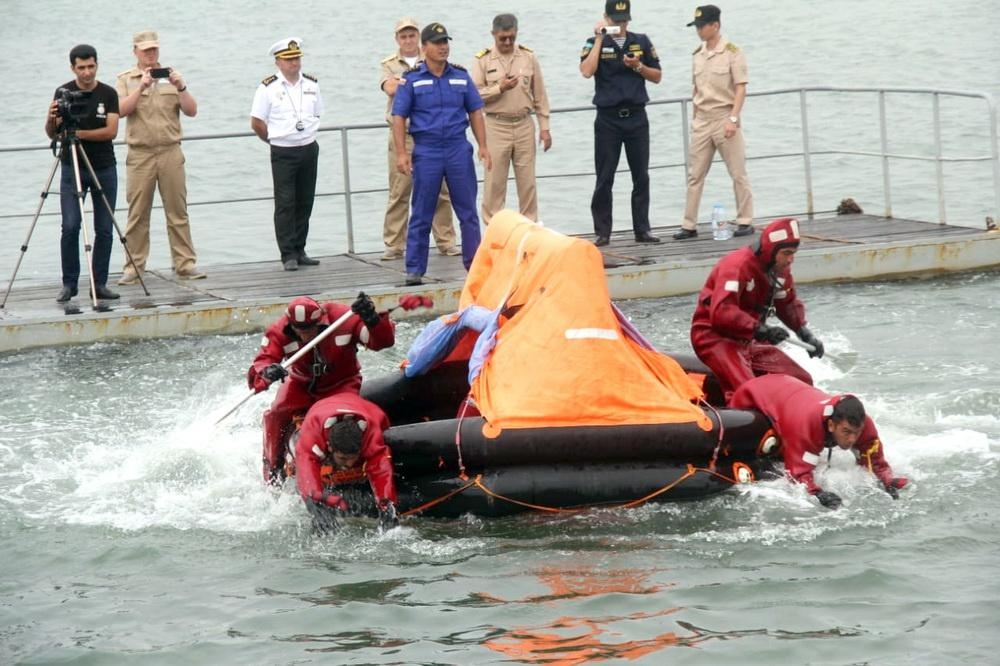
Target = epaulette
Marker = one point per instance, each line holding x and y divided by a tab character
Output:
732	47
125	73
388	59
457	66
269	80
525	48
695	52
310	77
483	52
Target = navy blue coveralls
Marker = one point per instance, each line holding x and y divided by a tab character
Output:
438	108
620	97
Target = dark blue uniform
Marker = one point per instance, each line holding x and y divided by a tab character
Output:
438	108
620	97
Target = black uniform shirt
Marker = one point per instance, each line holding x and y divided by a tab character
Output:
615	85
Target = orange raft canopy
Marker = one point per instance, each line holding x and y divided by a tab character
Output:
557	352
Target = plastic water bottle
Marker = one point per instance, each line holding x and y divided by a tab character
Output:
720	226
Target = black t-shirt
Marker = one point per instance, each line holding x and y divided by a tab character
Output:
615	85
102	101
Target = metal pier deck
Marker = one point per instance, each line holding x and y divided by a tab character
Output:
240	298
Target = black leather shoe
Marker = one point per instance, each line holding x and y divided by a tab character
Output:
305	260
646	237
66	294
601	241
744	230
413	279
105	294
684	234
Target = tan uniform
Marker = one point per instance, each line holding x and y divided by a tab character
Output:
510	130
397	210
715	74
155	160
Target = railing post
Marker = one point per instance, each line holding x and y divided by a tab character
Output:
996	157
806	157
938	163
345	157
883	133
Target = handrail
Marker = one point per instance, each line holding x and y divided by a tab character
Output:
807	153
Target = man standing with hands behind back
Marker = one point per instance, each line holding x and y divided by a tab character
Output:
719	72
285	115
440	101
509	80
152	98
397	210
620	62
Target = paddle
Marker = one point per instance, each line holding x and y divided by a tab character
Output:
844	361
427	302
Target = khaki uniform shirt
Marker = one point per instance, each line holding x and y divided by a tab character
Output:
490	69
156	120
392	67
715	74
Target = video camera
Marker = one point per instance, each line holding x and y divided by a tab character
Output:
71	106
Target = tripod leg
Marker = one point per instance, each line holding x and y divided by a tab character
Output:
111	212
31	230
77	151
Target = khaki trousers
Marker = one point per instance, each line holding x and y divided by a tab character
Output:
146	170
510	142
708	134
397	210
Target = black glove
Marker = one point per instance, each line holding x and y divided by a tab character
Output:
772	334
828	499
387	516
274	373
806	336
365	309
891	489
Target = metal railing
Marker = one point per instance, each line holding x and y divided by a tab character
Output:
807	153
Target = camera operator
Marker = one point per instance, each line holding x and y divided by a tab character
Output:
85	109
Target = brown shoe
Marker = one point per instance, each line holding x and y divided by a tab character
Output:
391	255
452	251
190	274
127	278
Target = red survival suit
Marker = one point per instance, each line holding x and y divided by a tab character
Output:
798	413
312	452
331	368
738	295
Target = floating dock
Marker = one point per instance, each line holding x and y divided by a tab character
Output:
243	298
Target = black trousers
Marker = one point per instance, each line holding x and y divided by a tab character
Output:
293	171
614	128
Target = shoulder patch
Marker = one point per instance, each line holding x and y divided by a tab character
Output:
733	48
457	66
524	48
695	52
269	80
310	77
480	54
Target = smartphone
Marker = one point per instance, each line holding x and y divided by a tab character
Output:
160	72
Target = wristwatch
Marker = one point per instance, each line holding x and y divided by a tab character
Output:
734	119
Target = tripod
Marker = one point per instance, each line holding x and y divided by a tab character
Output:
70	141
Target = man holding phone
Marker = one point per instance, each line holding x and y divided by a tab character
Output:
152	97
509	79
620	62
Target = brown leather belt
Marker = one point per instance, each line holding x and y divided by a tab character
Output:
507	118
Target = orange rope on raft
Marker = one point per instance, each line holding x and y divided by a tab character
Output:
478	483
